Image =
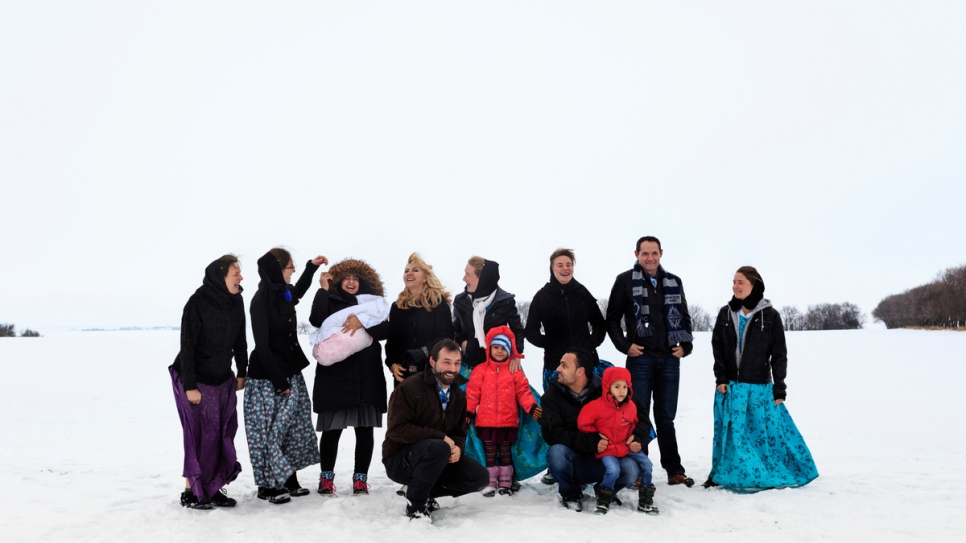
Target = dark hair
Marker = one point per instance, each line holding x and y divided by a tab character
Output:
283	256
585	359
226	262
751	274
441	345
648	238
569	253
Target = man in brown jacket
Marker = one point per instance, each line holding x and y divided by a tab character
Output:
426	434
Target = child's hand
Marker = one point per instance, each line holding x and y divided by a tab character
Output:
536	412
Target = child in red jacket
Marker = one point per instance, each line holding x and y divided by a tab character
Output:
493	397
614	417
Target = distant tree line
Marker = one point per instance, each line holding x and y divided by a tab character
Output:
9	330
940	303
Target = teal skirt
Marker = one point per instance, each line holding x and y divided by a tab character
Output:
529	451
756	443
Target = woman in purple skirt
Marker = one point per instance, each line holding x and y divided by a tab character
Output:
212	332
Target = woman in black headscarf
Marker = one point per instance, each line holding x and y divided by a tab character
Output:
278	412
212	331
481	307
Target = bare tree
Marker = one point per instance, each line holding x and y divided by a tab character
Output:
523	308
845	316
941	303
700	319
7	330
29	333
792	318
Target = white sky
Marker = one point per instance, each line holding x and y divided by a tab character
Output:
141	140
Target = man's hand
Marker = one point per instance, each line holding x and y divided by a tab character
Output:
397	372
454	451
602	444
634	446
677	351
635	350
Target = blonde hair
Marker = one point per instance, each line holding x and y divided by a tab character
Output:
433	293
476	262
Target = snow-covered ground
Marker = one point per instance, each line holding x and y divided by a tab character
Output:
90	449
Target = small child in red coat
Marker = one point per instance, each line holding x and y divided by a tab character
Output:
493	397
614	417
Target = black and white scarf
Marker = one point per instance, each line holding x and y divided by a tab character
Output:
673	308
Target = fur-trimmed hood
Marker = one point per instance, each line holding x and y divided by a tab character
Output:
370	282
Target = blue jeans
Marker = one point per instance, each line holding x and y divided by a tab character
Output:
573	470
661	376
612	468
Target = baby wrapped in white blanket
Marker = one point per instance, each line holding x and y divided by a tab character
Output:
330	344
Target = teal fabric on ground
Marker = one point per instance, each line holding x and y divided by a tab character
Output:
529	451
756	443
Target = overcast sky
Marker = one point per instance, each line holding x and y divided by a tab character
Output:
821	142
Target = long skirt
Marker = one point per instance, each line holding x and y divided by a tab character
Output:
278	426
756	443
529	451
210	461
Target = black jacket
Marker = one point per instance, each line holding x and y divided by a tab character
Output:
277	355
357	380
764	355
212	331
620	305
415	413
502	312
413	332
559	420
570	317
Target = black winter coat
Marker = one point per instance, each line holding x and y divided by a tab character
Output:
277	355
357	380
502	312
570	317
413	332
620	305
559	420
764	355
212	331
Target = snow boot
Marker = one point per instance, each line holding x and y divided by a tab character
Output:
490	489
574	504
189	500
645	501
221	499
547	479
326	484
277	496
603	501
360	486
506	480
418	511
295	490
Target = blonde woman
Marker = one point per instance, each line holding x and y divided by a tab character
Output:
418	319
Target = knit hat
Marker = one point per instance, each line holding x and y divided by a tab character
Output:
503	341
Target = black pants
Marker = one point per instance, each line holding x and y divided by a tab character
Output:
424	466
329	449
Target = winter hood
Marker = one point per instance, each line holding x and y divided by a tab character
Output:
369	280
616	374
513	342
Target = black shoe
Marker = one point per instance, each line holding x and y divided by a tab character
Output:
189	500
221	499
277	496
295	490
506	491
401	491
574	504
432	505
709	483
417	511
547	479
603	501
515	487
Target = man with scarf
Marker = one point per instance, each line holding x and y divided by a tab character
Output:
654	310
426	435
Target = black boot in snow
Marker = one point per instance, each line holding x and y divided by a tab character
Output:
645	502
189	500
277	496
604	497
221	499
295	490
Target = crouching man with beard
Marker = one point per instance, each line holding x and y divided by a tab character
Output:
426	434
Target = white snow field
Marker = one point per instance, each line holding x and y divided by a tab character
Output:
90	450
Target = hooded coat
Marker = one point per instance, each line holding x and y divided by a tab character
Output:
763	356
494	394
212	331
570	318
615	421
359	379
501	311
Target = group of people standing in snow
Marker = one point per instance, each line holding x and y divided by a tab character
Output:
463	416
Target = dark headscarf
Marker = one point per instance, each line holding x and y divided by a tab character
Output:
751	301
272	283
214	287
489	277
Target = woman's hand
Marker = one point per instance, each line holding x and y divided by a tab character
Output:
779	400
397	372
241	383
194	397
723	389
286	391
514	365
351	324
319	260
324	280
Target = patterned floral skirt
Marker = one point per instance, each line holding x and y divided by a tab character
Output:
281	439
756	443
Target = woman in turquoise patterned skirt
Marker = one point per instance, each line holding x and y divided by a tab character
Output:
756	443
